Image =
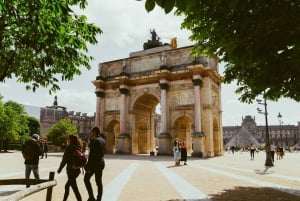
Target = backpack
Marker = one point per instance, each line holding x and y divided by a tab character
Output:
79	159
28	151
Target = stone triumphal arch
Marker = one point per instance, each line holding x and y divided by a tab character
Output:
187	88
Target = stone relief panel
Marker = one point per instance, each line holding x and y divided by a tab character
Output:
177	87
150	63
112	94
112	104
215	87
215	98
179	57
178	98
112	69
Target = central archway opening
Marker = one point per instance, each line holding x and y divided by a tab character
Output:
144	115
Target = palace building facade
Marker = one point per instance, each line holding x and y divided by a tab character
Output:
279	135
50	115
187	88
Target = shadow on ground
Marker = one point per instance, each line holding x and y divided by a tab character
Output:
251	194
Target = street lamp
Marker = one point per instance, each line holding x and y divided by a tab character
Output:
269	161
279	117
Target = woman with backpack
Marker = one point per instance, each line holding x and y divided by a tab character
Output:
73	144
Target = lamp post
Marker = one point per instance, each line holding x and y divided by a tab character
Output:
269	161
279	117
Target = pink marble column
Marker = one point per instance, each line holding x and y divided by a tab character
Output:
123	114
163	104
164	143
197	105
99	109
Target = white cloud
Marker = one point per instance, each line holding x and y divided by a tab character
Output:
126	26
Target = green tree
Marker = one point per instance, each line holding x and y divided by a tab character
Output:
17	121
33	125
60	131
41	40
13	123
4	125
259	41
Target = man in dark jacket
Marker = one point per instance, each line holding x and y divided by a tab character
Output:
32	163
95	164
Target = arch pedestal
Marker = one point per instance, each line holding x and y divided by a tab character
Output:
124	144
164	144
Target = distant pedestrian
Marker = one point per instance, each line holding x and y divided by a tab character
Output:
177	151
228	150
44	147
95	164
73	143
272	152
252	150
31	152
232	149
183	151
278	153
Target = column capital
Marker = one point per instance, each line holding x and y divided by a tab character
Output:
100	94
197	82
164	86
124	91
99	77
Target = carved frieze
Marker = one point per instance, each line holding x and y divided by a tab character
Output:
177	87
112	104
178	98
112	94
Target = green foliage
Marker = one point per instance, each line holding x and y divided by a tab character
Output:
33	125
13	121
41	40
258	40
60	131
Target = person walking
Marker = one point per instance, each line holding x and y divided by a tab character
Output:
95	164
177	151
73	143
44	147
183	151
252	150
272	152
31	152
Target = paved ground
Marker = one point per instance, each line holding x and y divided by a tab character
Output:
155	178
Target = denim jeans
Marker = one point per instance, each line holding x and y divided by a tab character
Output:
35	170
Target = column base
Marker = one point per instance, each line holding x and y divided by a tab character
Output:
164	144
197	154
124	144
198	144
